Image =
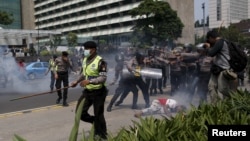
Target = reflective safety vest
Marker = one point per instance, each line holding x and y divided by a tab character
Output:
52	65
91	71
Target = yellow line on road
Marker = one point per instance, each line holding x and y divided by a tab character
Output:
5	115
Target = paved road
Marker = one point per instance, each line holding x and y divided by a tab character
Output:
33	87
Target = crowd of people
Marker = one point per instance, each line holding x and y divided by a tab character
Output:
200	70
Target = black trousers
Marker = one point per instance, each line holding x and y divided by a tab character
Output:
97	99
175	80
138	81
63	77
127	86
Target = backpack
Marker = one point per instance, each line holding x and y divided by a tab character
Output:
238	58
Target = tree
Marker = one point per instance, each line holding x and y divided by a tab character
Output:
54	42
197	24
6	18
134	41
102	44
157	20
72	39
231	33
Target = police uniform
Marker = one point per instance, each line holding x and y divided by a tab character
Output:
201	77
124	85
61	69
94	93
52	67
151	82
135	65
175	73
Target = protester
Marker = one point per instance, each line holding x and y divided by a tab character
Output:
219	83
22	70
161	106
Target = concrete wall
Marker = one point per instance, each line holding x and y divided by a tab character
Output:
185	10
28	14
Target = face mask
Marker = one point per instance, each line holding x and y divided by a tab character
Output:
86	53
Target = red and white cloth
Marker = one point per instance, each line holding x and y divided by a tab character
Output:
157	106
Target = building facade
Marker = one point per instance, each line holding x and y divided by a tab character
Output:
224	12
28	15
96	19
13	7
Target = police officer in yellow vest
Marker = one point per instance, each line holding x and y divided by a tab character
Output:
51	68
93	80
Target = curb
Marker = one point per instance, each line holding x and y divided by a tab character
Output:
33	110
17	113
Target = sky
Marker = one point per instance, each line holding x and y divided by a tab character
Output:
198	11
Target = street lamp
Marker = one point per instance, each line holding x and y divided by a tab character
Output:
38	49
203	8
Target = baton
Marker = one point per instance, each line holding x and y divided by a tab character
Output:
43	93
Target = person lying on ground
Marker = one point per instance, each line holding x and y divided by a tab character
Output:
161	106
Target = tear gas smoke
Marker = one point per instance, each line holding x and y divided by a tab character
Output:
16	83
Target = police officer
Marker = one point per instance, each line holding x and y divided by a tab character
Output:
175	71
124	86
134	66
190	65
201	76
62	65
93	80
52	68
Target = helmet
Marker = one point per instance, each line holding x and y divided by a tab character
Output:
151	52
178	49
200	47
54	56
188	47
139	57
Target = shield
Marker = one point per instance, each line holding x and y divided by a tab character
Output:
145	72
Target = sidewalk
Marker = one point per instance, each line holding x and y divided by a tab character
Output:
54	123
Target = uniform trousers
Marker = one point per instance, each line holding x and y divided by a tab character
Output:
97	99
63	77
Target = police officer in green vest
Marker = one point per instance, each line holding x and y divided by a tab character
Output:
93	80
51	68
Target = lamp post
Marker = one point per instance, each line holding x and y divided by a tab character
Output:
203	8
38	49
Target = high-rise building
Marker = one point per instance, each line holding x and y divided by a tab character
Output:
13	7
93	19
224	12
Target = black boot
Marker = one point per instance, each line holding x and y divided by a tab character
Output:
65	104
134	107
58	100
118	103
109	108
135	99
161	91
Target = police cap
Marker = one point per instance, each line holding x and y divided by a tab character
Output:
65	53
89	44
54	56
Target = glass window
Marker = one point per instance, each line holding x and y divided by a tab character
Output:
46	65
37	65
218	10
13	7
